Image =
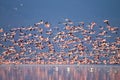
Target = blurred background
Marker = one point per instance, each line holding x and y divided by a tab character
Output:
15	13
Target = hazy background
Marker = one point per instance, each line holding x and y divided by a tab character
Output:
15	13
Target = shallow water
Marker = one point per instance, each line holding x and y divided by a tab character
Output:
59	72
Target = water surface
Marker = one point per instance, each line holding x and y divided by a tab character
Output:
59	72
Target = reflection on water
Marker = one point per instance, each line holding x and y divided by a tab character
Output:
59	72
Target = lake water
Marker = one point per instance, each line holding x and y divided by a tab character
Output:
59	72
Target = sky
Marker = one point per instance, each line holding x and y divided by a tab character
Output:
17	13
14	13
